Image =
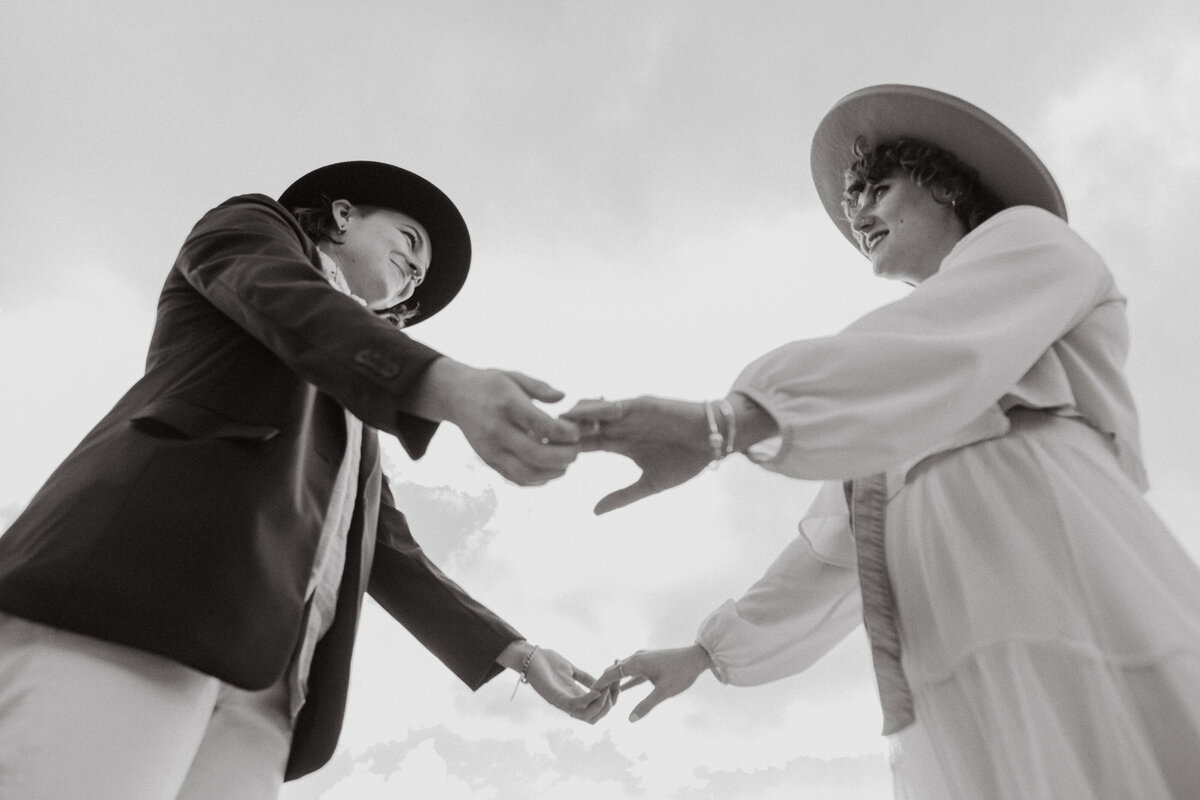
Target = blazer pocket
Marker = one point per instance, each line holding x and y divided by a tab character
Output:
170	416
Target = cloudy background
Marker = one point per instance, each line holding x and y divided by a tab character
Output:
635	175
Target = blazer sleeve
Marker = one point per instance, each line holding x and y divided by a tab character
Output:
464	634
251	260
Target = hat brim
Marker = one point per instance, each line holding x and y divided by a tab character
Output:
374	183
1007	167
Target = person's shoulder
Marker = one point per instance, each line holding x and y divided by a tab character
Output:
1024	226
252	203
247	212
1025	217
1030	232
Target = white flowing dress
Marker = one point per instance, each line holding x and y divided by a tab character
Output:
1049	622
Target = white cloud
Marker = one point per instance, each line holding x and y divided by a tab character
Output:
1123	145
435	759
66	356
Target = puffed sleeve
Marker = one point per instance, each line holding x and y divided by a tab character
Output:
248	258
906	377
806	602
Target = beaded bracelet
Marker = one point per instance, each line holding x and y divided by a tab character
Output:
524	671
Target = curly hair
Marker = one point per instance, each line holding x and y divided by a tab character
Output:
318	224
927	165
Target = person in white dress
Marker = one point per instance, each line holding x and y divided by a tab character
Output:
1035	627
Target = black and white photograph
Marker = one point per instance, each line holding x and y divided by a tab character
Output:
556	400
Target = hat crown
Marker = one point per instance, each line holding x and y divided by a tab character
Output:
375	183
1007	167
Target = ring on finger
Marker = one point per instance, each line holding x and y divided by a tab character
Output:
620	668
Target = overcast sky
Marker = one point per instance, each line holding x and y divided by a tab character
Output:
635	176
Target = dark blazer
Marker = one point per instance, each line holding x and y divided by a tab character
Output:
186	522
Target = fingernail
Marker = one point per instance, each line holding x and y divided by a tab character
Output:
634	717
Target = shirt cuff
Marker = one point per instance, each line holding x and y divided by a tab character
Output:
714	628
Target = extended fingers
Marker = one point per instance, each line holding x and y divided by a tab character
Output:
622	669
623	497
537	389
646	706
520	472
582	677
588	706
598	410
542	427
599	707
529	460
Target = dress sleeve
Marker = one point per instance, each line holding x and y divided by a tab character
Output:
248	258
805	603
908	376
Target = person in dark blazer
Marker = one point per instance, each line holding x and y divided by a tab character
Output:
178	603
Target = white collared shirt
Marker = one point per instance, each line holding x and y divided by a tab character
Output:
329	563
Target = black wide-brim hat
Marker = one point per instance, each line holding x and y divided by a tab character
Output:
374	183
1007	167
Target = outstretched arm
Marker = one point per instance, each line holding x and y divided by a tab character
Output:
469	638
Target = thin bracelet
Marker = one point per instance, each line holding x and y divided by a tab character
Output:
525	665
524	671
731	424
716	441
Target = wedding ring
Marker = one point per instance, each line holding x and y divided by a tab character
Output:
594	430
620	667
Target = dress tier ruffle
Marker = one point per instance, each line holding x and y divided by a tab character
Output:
1050	625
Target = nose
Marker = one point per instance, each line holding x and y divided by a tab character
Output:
861	219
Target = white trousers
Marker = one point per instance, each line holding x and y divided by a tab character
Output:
84	718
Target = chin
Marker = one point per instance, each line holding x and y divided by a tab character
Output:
881	271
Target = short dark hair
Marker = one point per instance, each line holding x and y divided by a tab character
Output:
316	220
927	165
318	224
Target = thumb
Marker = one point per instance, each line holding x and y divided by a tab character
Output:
623	497
538	390
646	706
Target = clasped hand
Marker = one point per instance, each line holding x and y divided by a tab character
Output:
570	689
566	687
670	672
667	439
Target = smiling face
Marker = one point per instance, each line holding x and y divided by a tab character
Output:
383	254
903	228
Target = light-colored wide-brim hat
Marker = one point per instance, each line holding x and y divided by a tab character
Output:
1007	167
378	184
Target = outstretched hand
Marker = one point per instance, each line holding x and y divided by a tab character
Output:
568	688
670	671
668	439
495	411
